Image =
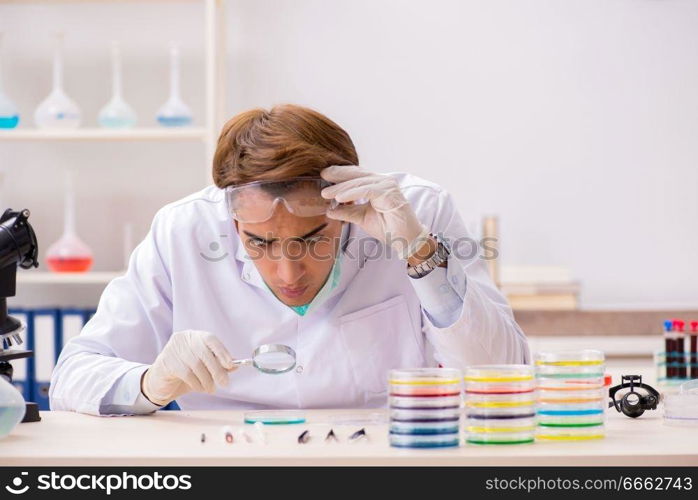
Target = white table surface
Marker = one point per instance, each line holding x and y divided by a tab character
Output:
174	438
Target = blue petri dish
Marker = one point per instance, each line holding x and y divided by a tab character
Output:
274	417
425	441
409	428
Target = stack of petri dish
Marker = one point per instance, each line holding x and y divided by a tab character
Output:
682	408
425	406
500	404
572	397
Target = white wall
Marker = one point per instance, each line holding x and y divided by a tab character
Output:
576	121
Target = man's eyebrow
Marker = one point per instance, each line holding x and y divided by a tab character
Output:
252	235
307	235
314	231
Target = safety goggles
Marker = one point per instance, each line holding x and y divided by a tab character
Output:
256	201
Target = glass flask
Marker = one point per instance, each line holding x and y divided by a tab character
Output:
57	110
12	407
9	116
174	113
117	113
69	254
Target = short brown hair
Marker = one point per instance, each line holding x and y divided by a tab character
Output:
284	142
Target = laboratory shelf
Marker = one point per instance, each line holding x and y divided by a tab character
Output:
102	134
48	278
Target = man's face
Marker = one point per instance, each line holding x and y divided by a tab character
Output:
293	254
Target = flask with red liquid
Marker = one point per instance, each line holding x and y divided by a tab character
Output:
69	254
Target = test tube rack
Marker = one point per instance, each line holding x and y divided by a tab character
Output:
678	362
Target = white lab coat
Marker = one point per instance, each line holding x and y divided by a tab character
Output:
178	279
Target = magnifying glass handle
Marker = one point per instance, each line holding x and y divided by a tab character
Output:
243	362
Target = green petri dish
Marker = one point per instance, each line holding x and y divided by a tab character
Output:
522	441
500	438
274	417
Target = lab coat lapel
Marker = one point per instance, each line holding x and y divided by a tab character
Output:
355	251
248	273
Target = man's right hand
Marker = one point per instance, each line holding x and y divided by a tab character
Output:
192	360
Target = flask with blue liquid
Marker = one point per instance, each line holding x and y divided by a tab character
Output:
174	113
117	113
9	116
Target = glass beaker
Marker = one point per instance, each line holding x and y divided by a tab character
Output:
12	407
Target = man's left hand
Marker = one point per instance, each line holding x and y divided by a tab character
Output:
387	216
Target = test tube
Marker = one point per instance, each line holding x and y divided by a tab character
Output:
668	349
694	349
680	349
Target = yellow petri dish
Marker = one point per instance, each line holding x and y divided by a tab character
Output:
583	357
499	373
500	400
425	376
570	433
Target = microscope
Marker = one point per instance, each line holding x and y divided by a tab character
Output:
18	247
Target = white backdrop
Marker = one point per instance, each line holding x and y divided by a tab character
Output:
574	121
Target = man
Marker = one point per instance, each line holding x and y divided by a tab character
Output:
357	272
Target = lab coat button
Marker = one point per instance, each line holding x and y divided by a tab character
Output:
299	369
454	280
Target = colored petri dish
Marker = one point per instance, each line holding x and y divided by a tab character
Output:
424	390
449	427
500	400
570	433
274	417
571	413
570	372
572	397
498	374
425	440
571	420
570	384
421	403
509	387
425	376
503	418
571	425
500	390
575	358
590	405
480	426
503	438
501	413
425	415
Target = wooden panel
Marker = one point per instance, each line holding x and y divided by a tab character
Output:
598	322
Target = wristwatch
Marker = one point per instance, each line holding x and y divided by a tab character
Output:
438	257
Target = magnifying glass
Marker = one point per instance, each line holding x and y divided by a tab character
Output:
270	358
